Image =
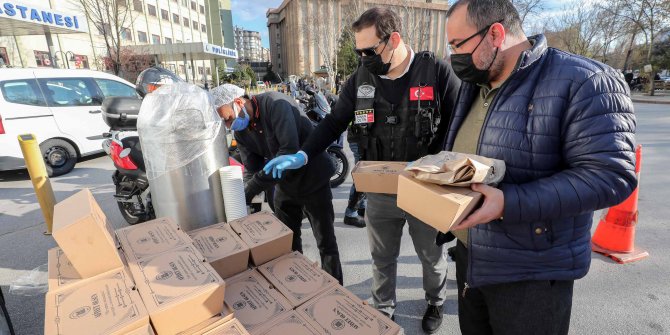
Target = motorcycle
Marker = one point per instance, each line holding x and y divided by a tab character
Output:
316	106
122	144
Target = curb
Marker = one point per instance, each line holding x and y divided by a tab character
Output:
649	101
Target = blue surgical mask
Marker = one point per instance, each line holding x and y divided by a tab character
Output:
240	123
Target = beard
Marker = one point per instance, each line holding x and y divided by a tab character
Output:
494	60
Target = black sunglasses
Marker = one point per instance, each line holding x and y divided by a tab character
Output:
371	51
485	29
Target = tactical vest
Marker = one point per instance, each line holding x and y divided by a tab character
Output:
402	132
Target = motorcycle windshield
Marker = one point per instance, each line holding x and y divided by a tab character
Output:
321	102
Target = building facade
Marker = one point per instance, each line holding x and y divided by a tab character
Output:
248	45
165	23
304	34
227	31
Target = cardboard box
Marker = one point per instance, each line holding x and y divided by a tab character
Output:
80	228
253	300
337	311
151	238
439	206
179	288
107	304
296	277
291	323
60	272
232	327
222	248
377	176
210	323
266	236
147	330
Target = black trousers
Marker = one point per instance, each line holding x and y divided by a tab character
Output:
319	209
525	307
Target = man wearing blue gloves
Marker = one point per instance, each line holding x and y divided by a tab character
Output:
268	125
399	102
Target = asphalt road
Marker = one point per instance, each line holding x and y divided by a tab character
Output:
611	299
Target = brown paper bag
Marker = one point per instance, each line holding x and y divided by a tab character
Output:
457	169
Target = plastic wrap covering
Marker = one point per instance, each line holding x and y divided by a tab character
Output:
31	284
177	124
184	145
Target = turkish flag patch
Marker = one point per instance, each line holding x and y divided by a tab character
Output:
421	93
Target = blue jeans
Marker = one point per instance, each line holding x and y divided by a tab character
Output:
357	200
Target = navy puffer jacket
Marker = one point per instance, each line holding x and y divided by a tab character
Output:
564	125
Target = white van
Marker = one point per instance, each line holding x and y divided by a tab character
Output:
61	108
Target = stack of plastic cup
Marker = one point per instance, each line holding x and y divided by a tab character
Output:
232	186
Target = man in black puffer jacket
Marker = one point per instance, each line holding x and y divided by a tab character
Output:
564	125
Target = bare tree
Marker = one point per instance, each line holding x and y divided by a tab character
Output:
577	30
323	31
528	8
416	24
610	28
649	17
111	18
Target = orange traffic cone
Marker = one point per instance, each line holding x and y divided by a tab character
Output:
615	234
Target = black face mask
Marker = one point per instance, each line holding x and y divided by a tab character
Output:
376	65
464	67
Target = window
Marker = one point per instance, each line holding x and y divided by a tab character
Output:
111	88
186	22
142	37
151	9
203	28
155	39
200	70
178	41
168	40
126	34
42	58
24	92
184	3
137	5
80	62
70	92
194	6
181	69
209	71
175	18
202	9
4	58
165	15
196	25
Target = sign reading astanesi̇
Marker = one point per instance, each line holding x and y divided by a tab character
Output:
39	16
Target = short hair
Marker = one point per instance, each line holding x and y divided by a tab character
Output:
385	21
483	13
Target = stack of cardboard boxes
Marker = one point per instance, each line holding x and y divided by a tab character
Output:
156	279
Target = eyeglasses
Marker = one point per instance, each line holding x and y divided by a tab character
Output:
460	44
371	51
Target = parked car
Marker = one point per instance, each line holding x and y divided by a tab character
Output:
61	108
260	84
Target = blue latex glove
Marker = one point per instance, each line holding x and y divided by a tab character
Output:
284	162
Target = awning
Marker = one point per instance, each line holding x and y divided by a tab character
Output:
175	51
17	18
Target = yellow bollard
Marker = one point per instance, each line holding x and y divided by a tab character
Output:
38	175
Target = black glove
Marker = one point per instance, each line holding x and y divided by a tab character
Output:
443	238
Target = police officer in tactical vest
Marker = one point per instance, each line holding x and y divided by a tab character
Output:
400	103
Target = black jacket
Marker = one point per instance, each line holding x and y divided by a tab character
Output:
446	90
280	128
